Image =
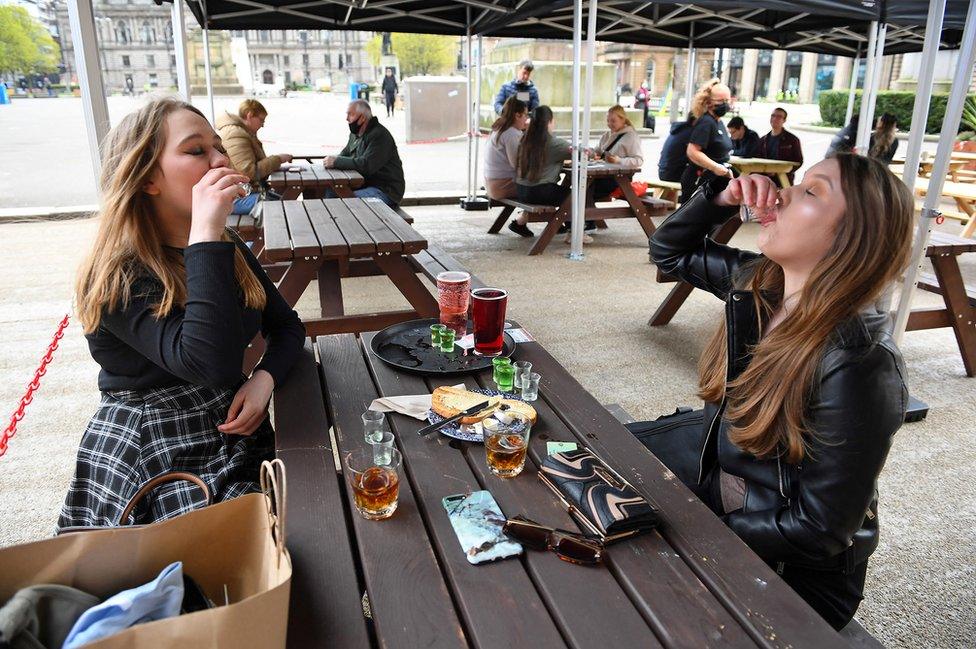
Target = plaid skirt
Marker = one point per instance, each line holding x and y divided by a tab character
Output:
136	435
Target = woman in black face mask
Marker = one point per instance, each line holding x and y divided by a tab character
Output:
710	145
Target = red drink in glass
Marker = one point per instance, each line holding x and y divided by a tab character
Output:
488	314
453	291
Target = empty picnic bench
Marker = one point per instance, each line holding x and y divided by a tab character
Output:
693	583
313	180
960	300
556	216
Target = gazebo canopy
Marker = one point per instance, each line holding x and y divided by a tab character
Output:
825	26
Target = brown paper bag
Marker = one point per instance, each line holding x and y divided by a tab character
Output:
238	544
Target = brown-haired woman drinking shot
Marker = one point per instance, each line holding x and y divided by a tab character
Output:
804	386
169	301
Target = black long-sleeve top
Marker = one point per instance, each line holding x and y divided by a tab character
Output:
202	343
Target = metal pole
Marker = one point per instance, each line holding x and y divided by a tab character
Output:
850	96
477	116
206	60
690	72
81	19
950	126
871	83
575	179
179	47
576	249
467	60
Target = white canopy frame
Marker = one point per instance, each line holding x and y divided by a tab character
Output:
179	45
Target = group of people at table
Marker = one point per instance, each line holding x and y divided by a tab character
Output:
802	382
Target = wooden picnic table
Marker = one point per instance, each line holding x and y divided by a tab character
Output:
327	239
964	194
779	168
691	584
960	301
312	181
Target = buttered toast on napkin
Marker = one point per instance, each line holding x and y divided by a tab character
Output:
448	401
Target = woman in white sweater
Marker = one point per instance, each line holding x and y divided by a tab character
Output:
501	156
620	145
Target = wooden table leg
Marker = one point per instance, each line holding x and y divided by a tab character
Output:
957	302
297	277
330	289
342	190
403	276
550	231
291	193
640	212
500	221
784	180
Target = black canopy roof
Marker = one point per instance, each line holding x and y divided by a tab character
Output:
827	26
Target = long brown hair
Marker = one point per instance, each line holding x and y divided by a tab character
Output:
767	403
512	108
128	244
532	149
884	135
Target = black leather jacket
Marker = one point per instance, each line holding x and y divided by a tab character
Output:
822	512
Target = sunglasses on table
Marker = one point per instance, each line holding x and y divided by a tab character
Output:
568	546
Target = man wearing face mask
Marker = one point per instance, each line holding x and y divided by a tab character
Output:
372	152
710	146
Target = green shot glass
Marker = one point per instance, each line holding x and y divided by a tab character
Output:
447	339
505	377
435	334
496	362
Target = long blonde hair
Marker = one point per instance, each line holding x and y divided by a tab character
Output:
128	244
884	135
619	111
699	103
767	403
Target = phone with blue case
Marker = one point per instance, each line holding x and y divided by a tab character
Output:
478	524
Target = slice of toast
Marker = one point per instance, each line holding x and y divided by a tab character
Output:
448	401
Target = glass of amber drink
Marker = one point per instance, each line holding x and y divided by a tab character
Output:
506	443
375	481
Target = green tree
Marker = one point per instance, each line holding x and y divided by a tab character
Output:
25	45
424	53
374	48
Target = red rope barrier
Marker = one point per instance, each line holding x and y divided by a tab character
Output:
32	387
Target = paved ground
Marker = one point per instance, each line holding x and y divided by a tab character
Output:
592	316
44	159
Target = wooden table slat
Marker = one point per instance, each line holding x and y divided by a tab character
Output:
497	600
360	243
410	603
330	238
743	583
325	591
303	240
412	240
276	238
386	240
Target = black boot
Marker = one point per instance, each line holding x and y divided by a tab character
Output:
520	229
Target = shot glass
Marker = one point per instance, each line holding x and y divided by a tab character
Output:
382	445
447	340
374	423
530	386
506	444
435	334
375	486
505	377
521	369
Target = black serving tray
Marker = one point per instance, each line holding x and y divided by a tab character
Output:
406	346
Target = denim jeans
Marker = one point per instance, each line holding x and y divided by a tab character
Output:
246	204
366	192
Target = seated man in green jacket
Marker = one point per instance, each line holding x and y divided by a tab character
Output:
372	152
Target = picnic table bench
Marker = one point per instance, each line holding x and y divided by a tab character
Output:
960	300
964	194
312	181
692	583
665	189
778	168
555	216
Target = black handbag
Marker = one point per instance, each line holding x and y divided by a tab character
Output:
676	440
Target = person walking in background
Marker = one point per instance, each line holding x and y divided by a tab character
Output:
540	163
780	144
239	135
390	89
521	87
745	141
501	157
674	153
883	141
709	146
372	152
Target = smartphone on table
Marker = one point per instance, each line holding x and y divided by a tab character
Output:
478	524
